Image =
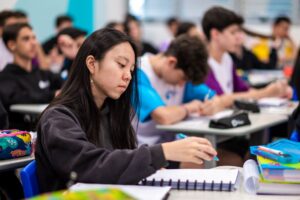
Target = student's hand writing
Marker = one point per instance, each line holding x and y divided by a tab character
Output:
279	88
191	149
212	106
193	106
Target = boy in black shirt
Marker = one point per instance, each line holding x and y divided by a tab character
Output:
20	82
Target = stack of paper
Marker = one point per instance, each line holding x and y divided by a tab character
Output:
272	102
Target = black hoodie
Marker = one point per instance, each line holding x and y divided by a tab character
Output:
19	86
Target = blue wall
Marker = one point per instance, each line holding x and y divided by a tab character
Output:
42	14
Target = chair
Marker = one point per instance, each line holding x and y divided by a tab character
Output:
29	180
295	136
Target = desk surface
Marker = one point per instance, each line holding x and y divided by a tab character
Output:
28	108
15	163
200	125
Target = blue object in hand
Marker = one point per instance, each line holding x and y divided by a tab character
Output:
182	136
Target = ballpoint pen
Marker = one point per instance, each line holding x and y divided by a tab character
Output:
272	151
207	95
182	136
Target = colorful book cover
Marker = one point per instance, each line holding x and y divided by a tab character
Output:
271	164
107	194
273	171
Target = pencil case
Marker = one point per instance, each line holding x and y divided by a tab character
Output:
290	151
14	144
233	121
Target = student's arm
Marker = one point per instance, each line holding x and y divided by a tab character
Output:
153	107
211	103
276	89
64	141
173	114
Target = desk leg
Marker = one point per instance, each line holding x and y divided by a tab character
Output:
213	140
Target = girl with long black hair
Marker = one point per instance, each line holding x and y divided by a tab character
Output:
87	128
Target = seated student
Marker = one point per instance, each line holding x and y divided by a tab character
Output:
221	28
287	49
69	40
132	27
246	60
61	22
166	96
87	127
20	82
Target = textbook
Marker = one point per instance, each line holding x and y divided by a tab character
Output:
195	179
279	172
254	182
133	191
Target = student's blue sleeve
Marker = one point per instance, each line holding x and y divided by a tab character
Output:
149	99
200	92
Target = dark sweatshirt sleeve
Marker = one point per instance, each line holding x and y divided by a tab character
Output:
68	149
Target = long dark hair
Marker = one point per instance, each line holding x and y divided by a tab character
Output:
77	96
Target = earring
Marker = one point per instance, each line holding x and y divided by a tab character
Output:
92	81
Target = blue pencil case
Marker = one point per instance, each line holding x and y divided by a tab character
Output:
283	151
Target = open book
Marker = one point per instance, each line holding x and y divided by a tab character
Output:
195	179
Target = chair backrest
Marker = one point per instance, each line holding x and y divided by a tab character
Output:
295	136
29	180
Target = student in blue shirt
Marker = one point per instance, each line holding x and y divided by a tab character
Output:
165	94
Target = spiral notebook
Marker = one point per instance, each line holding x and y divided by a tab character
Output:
195	179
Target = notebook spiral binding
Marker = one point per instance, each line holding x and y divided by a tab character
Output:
189	185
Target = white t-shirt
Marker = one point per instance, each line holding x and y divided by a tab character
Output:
169	94
223	72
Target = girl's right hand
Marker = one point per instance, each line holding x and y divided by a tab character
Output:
190	149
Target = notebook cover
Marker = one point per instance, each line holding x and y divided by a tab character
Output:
111	194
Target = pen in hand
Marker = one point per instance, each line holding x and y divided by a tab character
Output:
207	95
182	136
